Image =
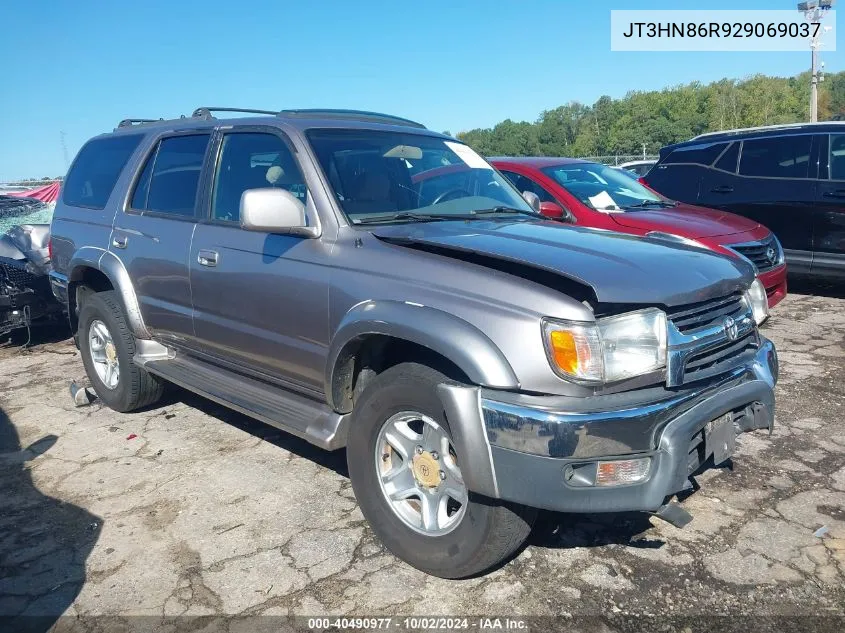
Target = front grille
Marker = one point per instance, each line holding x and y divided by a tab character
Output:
16	274
759	253
706	313
717	360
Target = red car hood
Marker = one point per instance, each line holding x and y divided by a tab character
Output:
686	220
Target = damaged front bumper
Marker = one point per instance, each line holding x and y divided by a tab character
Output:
24	296
552	452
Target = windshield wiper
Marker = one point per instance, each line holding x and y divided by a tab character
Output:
435	217
650	203
413	217
505	209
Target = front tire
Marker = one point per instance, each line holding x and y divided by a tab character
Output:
408	484
107	346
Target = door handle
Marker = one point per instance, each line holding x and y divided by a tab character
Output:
207	258
838	193
722	189
119	241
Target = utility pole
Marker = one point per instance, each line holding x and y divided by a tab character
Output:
814	11
64	149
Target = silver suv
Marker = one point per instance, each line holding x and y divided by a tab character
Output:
362	282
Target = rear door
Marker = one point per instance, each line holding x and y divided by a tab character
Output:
152	236
773	184
260	299
829	219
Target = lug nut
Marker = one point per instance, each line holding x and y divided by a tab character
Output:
442	475
435	455
418	450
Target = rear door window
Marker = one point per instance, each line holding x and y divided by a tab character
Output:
776	157
171	174
96	170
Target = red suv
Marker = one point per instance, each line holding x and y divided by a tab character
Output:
594	195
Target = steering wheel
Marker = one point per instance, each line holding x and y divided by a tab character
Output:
451	194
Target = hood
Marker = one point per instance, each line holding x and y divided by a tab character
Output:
618	268
686	220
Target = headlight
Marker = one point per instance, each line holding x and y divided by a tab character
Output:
759	302
780	258
608	350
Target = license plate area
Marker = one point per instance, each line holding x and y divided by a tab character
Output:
720	438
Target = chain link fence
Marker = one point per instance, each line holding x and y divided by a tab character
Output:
618	159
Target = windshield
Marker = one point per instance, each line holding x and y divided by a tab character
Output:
604	188
15	211
378	174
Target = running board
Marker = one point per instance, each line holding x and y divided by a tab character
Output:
302	416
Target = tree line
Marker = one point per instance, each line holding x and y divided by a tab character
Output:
649	120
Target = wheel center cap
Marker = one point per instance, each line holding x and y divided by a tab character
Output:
111	352
426	470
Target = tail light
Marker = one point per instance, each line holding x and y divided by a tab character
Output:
642	181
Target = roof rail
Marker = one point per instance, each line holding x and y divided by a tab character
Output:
760	128
205	112
131	122
357	115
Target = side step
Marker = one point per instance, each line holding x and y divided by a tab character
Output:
307	418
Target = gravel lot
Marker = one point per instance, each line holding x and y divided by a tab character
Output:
190	509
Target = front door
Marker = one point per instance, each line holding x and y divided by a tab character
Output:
260	299
152	237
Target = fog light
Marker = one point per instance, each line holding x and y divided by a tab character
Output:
618	473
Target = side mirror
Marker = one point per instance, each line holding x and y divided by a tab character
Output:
273	210
552	210
533	199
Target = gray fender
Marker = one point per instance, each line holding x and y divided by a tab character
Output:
459	341
111	266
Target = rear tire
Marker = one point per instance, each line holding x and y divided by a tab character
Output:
478	536
113	348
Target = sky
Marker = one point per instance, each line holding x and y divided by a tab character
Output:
73	69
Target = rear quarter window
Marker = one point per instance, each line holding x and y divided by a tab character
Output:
699	154
96	169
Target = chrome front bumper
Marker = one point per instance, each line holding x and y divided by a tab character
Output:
556	426
518	447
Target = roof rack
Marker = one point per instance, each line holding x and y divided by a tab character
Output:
356	115
760	128
206	112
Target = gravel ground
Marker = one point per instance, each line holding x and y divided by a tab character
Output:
192	510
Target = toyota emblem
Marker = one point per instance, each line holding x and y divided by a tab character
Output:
731	328
771	255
